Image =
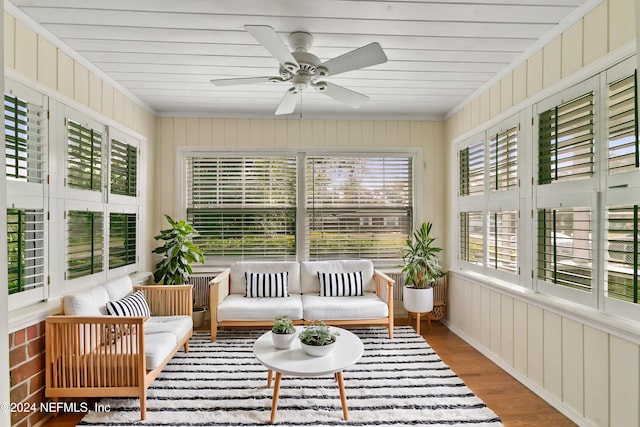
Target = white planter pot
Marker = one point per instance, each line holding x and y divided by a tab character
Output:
283	341
318	350
418	300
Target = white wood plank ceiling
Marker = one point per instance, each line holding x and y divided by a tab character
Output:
165	52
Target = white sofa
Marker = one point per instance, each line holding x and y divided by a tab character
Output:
230	307
90	353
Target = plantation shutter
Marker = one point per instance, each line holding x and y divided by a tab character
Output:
84	243
503	244
623	247
243	206
359	207
564	247
471	237
503	160
472	170
124	168
624	153
24	128
25	249
84	157
122	239
566	141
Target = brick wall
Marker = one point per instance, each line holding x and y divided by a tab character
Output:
26	360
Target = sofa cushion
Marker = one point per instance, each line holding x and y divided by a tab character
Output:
180	326
157	347
237	307
340	284
118	288
132	305
92	302
238	269
310	283
272	285
367	306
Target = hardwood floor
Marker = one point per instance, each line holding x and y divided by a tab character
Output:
515	404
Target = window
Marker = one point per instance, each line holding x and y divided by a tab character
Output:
564	247
623	239
84	157
124	168
503	160
503	243
24	134
472	169
472	237
566	141
122	239
243	206
624	154
84	243
25	249
359	207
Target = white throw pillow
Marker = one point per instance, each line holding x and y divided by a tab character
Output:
132	305
270	285
340	284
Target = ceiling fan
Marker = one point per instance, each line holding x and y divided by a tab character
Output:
302	69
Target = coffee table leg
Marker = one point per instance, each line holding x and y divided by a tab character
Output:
276	393
269	378
343	397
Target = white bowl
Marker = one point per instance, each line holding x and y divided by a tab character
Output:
283	341
318	350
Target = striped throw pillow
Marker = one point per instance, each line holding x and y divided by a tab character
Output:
131	305
340	284
270	285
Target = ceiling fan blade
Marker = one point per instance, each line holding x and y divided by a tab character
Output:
288	103
342	94
268	38
244	81
365	56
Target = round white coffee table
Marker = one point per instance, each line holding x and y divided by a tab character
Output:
296	362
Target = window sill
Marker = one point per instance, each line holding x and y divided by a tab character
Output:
33	314
615	325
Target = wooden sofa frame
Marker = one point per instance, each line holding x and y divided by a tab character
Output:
103	356
220	287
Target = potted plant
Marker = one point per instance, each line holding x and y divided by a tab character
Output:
423	270
317	339
178	253
283	332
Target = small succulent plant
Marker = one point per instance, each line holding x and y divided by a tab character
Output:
283	325
317	334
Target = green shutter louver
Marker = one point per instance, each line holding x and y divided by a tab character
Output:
124	168
84	243
84	157
24	132
566	141
624	153
122	239
503	160
243	206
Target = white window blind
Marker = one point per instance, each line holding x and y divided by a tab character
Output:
566	141
503	241
623	239
84	243
503	160
564	247
124	168
122	239
84	157
624	153
25	249
359	206
472	169
243	206
24	129
472	237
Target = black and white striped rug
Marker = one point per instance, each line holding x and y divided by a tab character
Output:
399	382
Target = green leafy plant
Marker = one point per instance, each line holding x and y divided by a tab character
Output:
317	334
420	262
283	325
178	252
